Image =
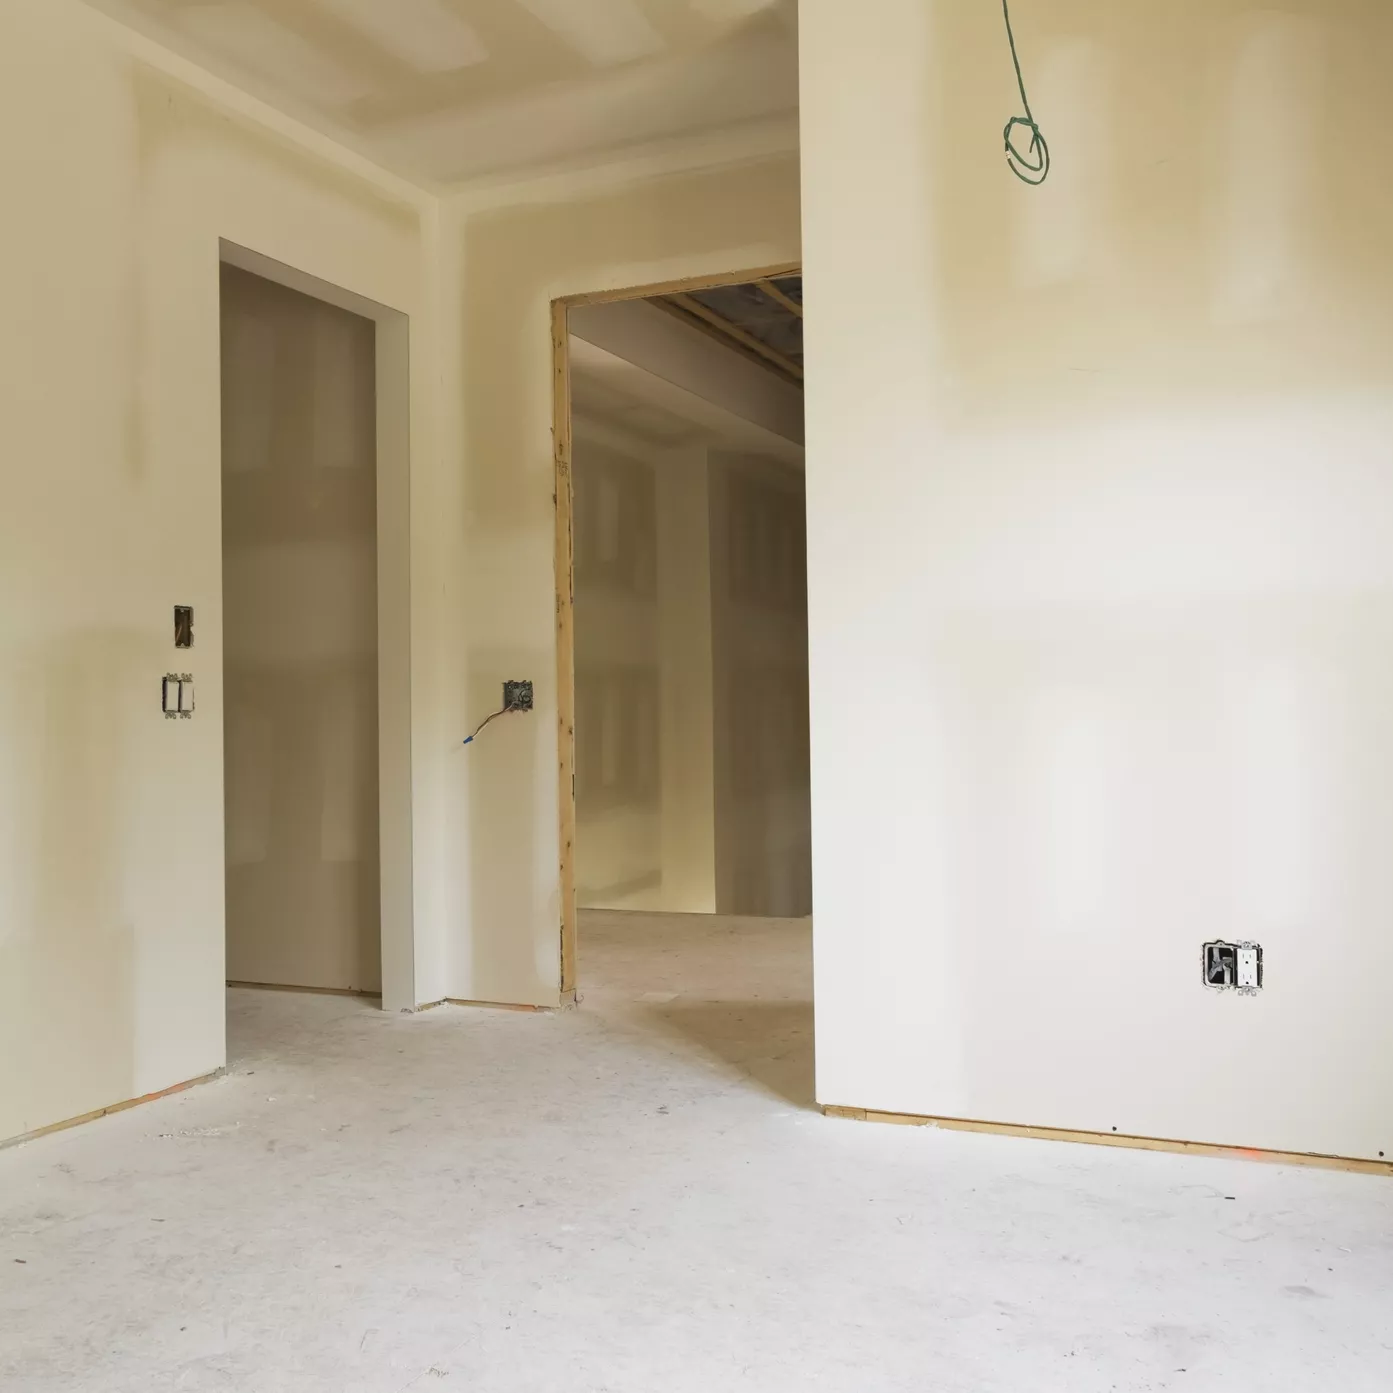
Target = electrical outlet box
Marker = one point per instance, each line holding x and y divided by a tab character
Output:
1233	967
517	696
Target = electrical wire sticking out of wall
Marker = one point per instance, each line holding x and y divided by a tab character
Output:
488	720
517	696
1031	165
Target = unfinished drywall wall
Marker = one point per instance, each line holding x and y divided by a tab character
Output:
691	656
1101	566
299	533
504	264
686	682
618	666
759	642
645	815
123	168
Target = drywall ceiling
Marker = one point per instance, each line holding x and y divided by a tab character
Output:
617	401
446	91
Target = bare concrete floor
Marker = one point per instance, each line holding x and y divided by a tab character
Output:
637	1196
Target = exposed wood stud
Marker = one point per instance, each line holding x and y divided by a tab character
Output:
779	298
725	340
565	637
733	331
686	286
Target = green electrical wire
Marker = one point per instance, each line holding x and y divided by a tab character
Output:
1030	166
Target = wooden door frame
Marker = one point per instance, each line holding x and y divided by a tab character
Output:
565	562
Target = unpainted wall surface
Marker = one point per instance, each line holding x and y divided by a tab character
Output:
759	640
504	264
619	839
1099	498
122	171
645	812
299	638
111	818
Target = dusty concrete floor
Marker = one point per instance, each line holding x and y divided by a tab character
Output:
637	1196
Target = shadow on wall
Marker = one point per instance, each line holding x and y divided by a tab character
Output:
759	635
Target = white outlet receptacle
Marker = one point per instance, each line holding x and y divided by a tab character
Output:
1247	967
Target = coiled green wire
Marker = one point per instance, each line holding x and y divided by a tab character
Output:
1030	166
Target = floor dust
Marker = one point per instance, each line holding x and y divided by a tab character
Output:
640	1194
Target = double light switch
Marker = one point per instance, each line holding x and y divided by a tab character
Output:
178	695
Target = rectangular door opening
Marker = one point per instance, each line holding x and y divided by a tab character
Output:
300	637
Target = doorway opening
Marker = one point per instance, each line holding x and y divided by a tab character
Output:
684	657
315	636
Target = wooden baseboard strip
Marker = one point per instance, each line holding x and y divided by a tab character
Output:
106	1112
497	1005
307	991
1189	1148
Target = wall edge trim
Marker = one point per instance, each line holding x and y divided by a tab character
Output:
96	1113
1355	1164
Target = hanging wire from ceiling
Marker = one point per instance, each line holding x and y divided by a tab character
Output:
1031	165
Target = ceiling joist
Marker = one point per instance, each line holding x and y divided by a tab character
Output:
779	298
689	308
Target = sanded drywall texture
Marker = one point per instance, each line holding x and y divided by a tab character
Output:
120	179
759	646
299	522
503	265
619	844
686	682
645	815
1101	566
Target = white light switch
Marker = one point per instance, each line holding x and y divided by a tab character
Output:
171	696
186	696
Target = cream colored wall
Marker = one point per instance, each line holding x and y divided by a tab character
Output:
299	535
686	682
122	169
503	265
691	653
619	842
645	814
1101	566
759	644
